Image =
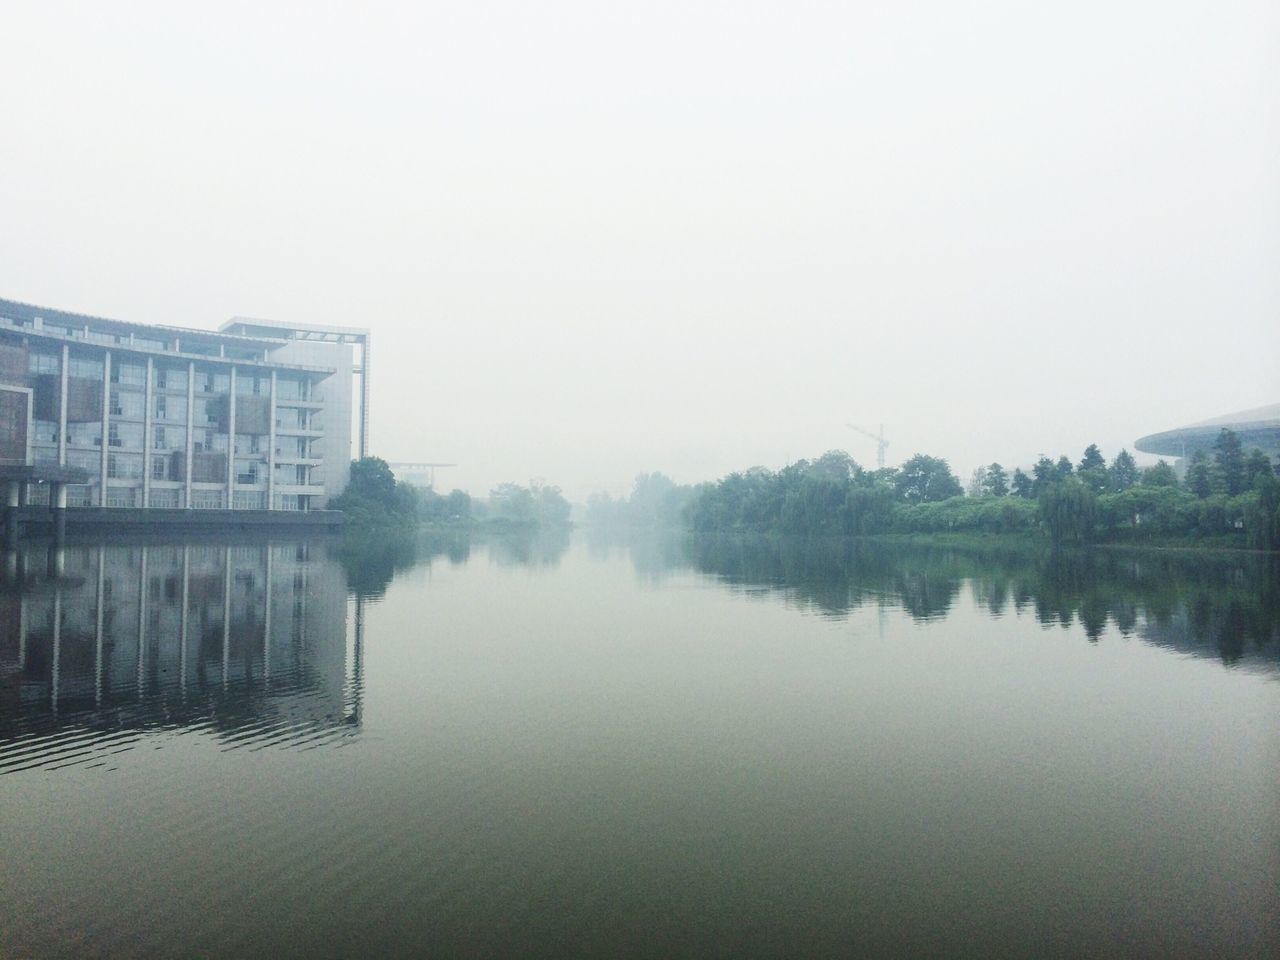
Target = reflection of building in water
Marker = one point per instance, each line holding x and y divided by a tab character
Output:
249	641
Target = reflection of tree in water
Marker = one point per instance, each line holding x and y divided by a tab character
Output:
528	546
655	554
1226	603
371	561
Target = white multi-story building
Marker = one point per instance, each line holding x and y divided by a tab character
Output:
254	416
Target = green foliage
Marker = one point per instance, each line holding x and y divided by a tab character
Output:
656	501
374	498
995	481
1256	465
1043	474
1093	469
925	479
1123	472
538	504
1262	514
1228	459
1069	512
833	496
1200	475
438	509
1159	475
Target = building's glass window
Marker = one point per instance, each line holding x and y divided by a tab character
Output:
89	368
127	403
124	466
173	409
247	472
288	388
250	443
131	374
220	442
168	438
89	460
207	409
291	418
85	434
125	435
249	385
44	431
42	362
209	380
146	343
13	426
160	468
171	378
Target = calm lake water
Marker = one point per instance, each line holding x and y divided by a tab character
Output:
555	747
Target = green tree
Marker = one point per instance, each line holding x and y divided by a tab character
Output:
1063	468
1069	511
1199	475
458	505
1022	485
924	479
977	483
1256	465
372	479
1043	474
996	481
1093	459
1228	458
1093	469
1123	473
550	508
1159	475
1262	514
512	503
373	498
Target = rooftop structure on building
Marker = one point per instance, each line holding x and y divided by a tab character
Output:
1258	428
100	413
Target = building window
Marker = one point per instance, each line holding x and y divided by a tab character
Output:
44	362
131	374
171	378
88	368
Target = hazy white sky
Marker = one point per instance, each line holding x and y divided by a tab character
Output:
597	238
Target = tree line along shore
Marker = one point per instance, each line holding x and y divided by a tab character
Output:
1229	498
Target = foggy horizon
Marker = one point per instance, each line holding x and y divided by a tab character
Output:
593	243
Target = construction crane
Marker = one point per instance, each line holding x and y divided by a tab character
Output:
881	443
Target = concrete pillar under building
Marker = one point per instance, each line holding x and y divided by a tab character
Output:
58	502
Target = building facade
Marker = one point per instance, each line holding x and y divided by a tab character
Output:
1258	428
177	418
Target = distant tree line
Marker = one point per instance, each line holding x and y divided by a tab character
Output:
656	501
1230	495
375	499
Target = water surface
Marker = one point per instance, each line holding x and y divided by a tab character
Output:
531	746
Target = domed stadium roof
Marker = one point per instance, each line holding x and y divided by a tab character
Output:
1259	427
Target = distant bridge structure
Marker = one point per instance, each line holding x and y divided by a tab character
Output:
418	474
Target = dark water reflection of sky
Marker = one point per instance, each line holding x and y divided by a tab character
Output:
537	746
